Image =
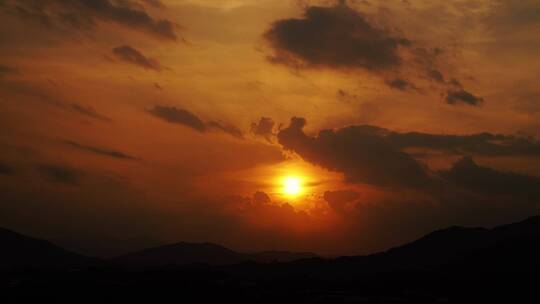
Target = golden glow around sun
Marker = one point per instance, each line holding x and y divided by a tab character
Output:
292	186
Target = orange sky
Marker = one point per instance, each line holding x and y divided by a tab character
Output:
140	122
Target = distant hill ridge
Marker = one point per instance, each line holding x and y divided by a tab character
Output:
513	246
204	253
24	252
457	244
20	251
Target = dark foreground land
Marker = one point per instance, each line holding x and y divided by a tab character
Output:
247	284
455	265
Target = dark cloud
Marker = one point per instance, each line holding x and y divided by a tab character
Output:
85	14
481	144
229	129
179	116
7	70
260	198
337	37
507	16
100	151
130	55
27	91
455	82
264	128
400	84
347	96
467	174
361	155
6	169
338	200
455	93
436	75
427	57
461	96
188	119
452	89
377	156
59	174
527	100
87	111
486	144
154	3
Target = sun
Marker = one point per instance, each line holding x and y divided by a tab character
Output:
292	186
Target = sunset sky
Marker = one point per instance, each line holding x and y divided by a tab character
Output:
337	127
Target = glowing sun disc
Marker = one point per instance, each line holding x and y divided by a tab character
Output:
292	186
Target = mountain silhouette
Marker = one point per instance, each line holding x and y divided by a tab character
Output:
202	253
280	256
182	253
507	246
515	245
23	252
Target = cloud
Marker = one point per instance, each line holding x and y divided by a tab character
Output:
507	16
85	14
436	75
7	70
100	151
467	174
260	198
264	128
154	3
481	144
6	169
361	155
342	200
27	91
400	84
229	129
130	55
335	37
347	96
486	144
179	116
87	111
455	93
373	155
59	174
340	38
461	96
186	118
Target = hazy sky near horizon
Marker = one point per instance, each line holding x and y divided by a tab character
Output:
125	123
